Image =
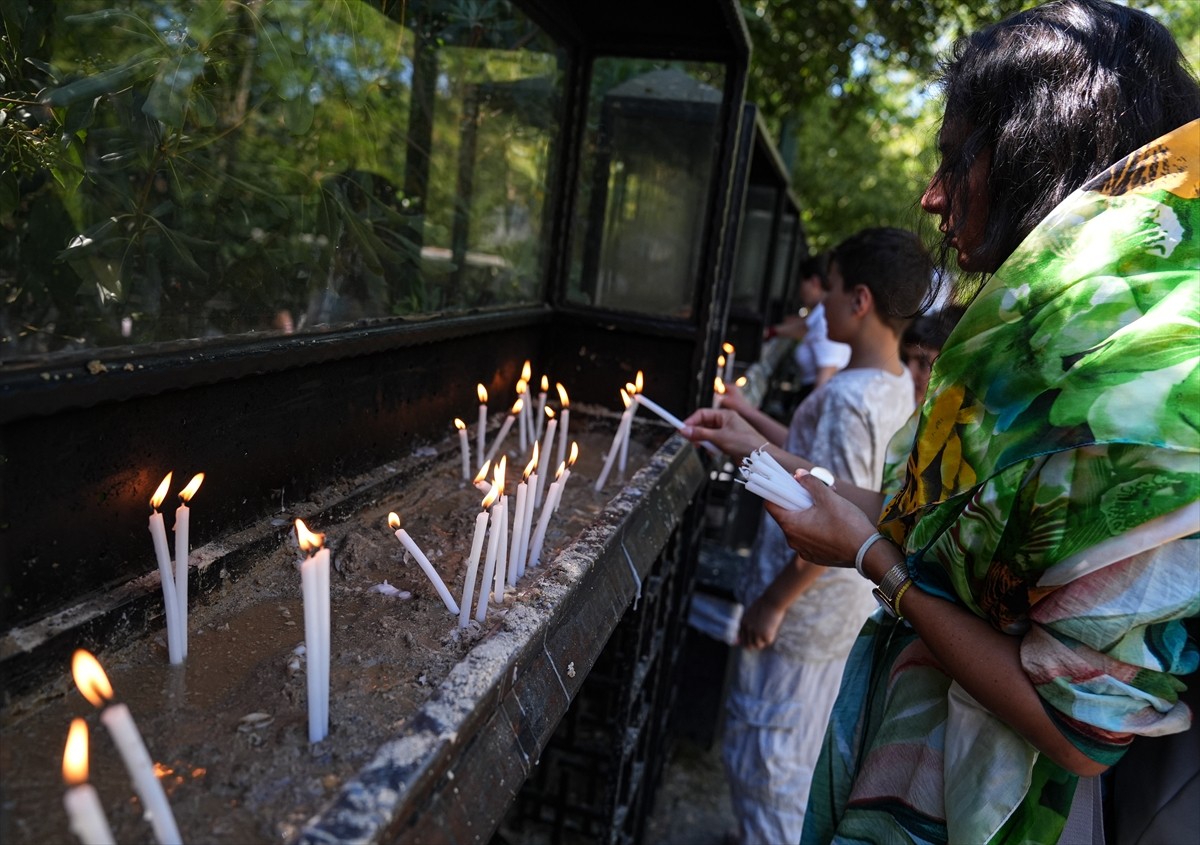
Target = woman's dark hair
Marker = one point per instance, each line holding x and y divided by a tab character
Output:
1055	95
894	265
817	265
931	330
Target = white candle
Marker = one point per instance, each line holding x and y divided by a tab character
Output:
541	407
464	447
655	408
730	357
539	536
93	683
564	423
504	429
423	562
528	518
544	462
314	581
718	392
481	434
634	389
84	813
523	416
182	553
565	473
481	521
618	440
481	483
520	533
501	553
489	563
158	533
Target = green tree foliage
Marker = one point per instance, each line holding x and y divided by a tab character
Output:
845	87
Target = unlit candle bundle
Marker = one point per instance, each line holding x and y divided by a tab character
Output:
765	477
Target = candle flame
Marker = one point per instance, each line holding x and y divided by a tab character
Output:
545	384
482	391
161	492
549	412
75	755
562	467
625	397
459	424
187	492
719	386
741	381
483	471
309	540
522	386
728	347
531	466
516	408
574	456
637	382
393	520
562	394
90	678
498	475
720	361
490	498
526	371
536	447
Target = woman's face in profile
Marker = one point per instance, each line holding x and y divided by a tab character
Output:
968	226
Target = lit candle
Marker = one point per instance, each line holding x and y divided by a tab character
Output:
655	408
93	683
523	417
158	534
464	447
84	813
564	422
520	533
523	392
504	429
539	536
541	407
528	517
501	552
182	520
562	482
718	391
481	483
314	581
634	389
618	439
481	522
423	562
544	462
730	357
481	434
489	562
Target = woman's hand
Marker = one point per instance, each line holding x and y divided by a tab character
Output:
725	429
829	532
760	624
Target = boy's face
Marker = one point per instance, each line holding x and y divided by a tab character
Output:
839	305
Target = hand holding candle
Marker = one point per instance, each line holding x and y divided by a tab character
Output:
158	533
93	683
84	813
423	562
182	553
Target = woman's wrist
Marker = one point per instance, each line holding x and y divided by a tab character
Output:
880	558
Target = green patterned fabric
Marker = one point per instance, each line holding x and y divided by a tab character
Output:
1049	484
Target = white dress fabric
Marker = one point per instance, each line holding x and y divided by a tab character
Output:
816	351
782	696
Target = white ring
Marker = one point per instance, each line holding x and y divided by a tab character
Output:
862	553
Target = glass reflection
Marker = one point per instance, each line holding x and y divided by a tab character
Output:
182	170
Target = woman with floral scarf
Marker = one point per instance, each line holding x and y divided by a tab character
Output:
1036	550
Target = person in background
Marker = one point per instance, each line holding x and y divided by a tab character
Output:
816	356
800	619
922	342
1035	553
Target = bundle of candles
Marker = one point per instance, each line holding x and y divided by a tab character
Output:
765	477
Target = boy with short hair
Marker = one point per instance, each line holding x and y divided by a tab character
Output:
800	619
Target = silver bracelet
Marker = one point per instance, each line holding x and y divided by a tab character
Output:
862	553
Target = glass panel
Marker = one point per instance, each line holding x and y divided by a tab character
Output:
754	242
645	178
179	170
783	255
